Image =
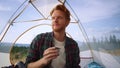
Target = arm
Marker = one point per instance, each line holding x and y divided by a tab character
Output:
33	54
72	54
49	54
38	64
37	57
76	56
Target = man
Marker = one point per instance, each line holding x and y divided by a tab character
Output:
54	49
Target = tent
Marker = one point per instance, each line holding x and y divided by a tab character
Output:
31	17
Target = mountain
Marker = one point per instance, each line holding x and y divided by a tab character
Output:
6	47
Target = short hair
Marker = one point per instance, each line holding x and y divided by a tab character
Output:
62	8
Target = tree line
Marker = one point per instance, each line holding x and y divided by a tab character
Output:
110	42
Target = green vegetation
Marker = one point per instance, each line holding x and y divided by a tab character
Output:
18	53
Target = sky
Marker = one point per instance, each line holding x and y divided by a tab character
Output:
100	18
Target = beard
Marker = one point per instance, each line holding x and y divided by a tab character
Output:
58	29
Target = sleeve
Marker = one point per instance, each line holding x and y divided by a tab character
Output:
33	53
76	57
72	54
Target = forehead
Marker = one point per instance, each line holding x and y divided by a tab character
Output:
58	13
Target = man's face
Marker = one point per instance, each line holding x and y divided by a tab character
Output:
59	22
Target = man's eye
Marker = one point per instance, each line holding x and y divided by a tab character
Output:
53	18
59	17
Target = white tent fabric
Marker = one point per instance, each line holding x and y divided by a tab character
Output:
32	18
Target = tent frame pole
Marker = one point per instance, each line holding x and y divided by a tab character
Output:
10	22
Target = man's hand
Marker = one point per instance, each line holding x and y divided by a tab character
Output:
49	54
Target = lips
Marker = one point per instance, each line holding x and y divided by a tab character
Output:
56	25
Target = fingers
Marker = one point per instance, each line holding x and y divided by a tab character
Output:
51	50
50	54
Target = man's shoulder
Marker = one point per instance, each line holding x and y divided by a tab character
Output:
71	40
44	34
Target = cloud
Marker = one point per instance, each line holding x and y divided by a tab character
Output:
20	1
10	4
4	8
98	9
105	32
115	30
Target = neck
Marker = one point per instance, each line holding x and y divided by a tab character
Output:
60	36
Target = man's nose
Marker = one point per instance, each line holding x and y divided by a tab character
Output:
56	19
